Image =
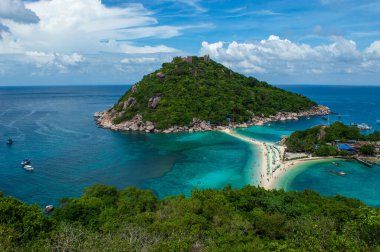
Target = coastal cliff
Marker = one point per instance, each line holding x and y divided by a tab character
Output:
198	94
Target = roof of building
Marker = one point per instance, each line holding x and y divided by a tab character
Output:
345	147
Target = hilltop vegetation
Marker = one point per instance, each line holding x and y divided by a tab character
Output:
249	219
200	88
315	139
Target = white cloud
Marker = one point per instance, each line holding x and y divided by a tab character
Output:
15	10
282	56
139	60
374	49
83	26
51	61
192	3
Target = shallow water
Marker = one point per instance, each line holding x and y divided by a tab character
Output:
54	127
360	182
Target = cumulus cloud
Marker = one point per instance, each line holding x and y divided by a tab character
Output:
282	56
57	61
374	49
46	38
3	28
15	11
87	26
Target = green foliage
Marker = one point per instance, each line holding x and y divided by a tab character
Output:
367	150
342	132
375	136
248	219
207	91
21	223
325	151
315	139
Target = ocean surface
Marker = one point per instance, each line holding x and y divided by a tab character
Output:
54	127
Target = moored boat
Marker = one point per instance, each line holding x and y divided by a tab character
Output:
342	173
49	208
9	141
25	162
28	167
364	126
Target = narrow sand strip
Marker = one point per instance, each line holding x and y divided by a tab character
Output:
272	165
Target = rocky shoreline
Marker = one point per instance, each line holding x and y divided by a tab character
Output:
104	120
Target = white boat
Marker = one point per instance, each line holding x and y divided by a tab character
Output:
25	162
49	208
342	173
364	126
28	167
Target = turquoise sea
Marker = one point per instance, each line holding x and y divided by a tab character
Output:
53	126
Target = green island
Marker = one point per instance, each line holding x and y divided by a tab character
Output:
248	219
336	139
198	94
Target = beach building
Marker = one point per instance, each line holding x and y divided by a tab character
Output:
346	147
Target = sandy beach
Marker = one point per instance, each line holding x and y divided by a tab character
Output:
272	165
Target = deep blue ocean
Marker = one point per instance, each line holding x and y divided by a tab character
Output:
54	127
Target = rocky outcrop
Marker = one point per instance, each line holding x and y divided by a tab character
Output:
129	103
160	75
105	120
188	59
134	89
322	133
153	101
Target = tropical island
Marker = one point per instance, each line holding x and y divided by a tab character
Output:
337	139
248	219
198	94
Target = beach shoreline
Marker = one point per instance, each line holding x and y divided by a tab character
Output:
272	166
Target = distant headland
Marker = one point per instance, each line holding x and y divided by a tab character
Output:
193	94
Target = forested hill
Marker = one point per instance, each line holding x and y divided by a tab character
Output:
318	139
249	219
198	87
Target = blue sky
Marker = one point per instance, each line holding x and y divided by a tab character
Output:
68	42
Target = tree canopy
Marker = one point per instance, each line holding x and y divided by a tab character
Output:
247	219
315	139
205	90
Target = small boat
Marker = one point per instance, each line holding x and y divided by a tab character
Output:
341	173
335	163
9	141
28	167
49	208
364	126
308	118
25	162
324	118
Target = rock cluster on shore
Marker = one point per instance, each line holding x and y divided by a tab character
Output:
105	120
